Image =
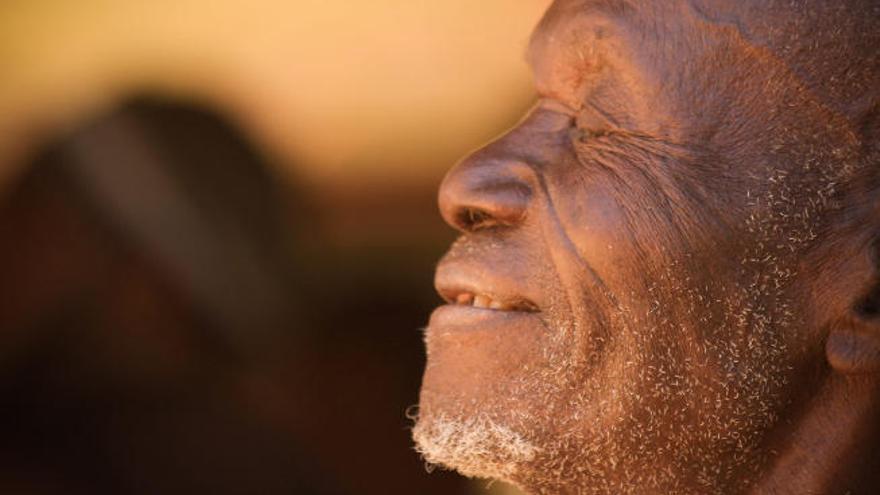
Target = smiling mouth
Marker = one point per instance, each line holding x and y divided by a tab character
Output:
485	301
479	291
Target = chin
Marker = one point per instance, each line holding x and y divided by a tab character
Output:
494	394
475	446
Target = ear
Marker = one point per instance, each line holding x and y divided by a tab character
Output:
853	344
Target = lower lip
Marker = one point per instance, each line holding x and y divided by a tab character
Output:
468	318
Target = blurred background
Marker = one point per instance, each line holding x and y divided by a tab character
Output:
218	231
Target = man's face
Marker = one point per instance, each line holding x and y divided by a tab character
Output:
629	303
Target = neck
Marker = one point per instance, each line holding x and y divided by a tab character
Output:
834	446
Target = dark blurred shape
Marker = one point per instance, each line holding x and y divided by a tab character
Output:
165	326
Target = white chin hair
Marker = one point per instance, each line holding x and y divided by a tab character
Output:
475	447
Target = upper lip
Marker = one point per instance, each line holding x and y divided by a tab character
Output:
463	284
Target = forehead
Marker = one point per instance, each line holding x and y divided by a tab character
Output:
566	19
580	43
829	47
666	68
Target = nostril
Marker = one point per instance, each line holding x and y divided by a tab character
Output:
490	202
472	219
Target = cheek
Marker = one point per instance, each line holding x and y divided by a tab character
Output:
596	223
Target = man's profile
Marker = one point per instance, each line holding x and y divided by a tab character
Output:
667	279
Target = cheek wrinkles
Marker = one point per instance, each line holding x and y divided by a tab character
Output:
564	252
588	299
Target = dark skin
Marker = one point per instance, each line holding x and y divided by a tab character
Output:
666	280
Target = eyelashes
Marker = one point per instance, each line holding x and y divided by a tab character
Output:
591	123
583	135
588	125
585	124
576	134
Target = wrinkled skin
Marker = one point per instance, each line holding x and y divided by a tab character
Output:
678	240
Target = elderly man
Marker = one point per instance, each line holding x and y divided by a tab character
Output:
667	280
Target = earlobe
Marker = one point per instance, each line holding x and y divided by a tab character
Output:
854	350
853	345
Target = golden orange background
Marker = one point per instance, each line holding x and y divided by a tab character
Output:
351	91
363	103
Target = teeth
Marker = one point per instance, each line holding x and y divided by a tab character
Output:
481	301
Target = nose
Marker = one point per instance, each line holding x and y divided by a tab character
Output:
496	186
486	189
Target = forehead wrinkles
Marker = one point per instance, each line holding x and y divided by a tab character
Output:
601	56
